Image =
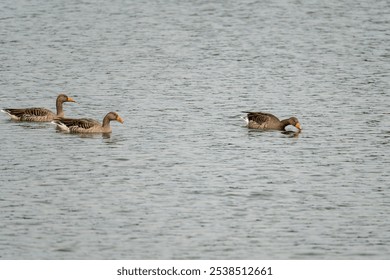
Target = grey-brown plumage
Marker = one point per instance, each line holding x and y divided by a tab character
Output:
266	121
36	114
86	125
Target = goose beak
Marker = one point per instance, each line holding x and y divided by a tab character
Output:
119	119
70	99
298	125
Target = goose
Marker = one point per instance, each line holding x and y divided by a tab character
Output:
86	125
36	114
266	121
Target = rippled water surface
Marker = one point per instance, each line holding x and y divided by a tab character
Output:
183	178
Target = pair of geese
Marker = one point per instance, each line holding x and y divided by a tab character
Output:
84	125
255	120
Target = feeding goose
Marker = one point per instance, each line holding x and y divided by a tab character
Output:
266	121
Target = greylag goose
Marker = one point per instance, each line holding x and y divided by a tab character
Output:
85	125
39	114
266	121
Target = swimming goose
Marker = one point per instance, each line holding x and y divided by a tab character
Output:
266	121
39	114
85	125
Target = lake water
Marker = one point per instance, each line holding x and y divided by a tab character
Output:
183	178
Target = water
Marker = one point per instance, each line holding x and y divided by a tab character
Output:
183	178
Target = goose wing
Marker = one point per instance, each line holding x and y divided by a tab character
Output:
260	117
38	112
81	123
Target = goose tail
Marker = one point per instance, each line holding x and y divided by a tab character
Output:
60	126
9	113
245	118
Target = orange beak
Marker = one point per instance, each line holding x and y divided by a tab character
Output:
298	125
119	119
70	99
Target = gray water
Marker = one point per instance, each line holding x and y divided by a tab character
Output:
183	178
